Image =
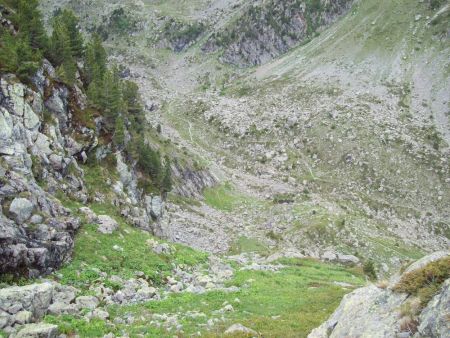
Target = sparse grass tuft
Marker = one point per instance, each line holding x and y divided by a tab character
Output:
425	282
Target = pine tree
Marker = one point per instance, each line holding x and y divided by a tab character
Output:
95	60
28	59
132	97
70	21
149	161
166	183
61	52
60	46
29	20
119	132
8	52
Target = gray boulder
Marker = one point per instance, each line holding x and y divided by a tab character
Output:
377	312
107	225
21	209
240	329
91	217
366	312
40	330
87	302
35	298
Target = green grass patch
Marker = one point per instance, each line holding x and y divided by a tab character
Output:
71	326
245	244
225	198
288	303
122	253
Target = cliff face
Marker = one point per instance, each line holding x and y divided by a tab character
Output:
36	157
269	29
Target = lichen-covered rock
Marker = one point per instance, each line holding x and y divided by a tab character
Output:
87	302
434	319
376	312
21	209
366	312
27	153
35	298
40	330
107	225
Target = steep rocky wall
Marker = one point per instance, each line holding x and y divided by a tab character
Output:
271	28
35	157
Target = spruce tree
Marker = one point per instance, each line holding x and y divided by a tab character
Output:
95	60
76	38
166	183
29	20
119	132
8	52
61	52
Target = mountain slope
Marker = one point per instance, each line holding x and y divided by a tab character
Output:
295	180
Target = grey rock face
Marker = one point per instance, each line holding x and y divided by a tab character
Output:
193	182
21	209
28	154
57	104
434	319
266	30
375	312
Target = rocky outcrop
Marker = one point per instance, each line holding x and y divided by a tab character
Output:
41	143
193	182
266	30
434	319
37	232
380	312
22	307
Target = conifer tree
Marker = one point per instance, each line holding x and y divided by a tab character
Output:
29	20
119	132
71	22
8	52
166	183
95	60
61	52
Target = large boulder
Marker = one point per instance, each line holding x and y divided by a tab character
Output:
372	311
107	225
35	298
40	330
21	209
239	329
366	312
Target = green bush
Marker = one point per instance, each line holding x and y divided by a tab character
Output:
369	269
425	282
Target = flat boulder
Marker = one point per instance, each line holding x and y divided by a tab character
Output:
107	225
240	329
40	330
